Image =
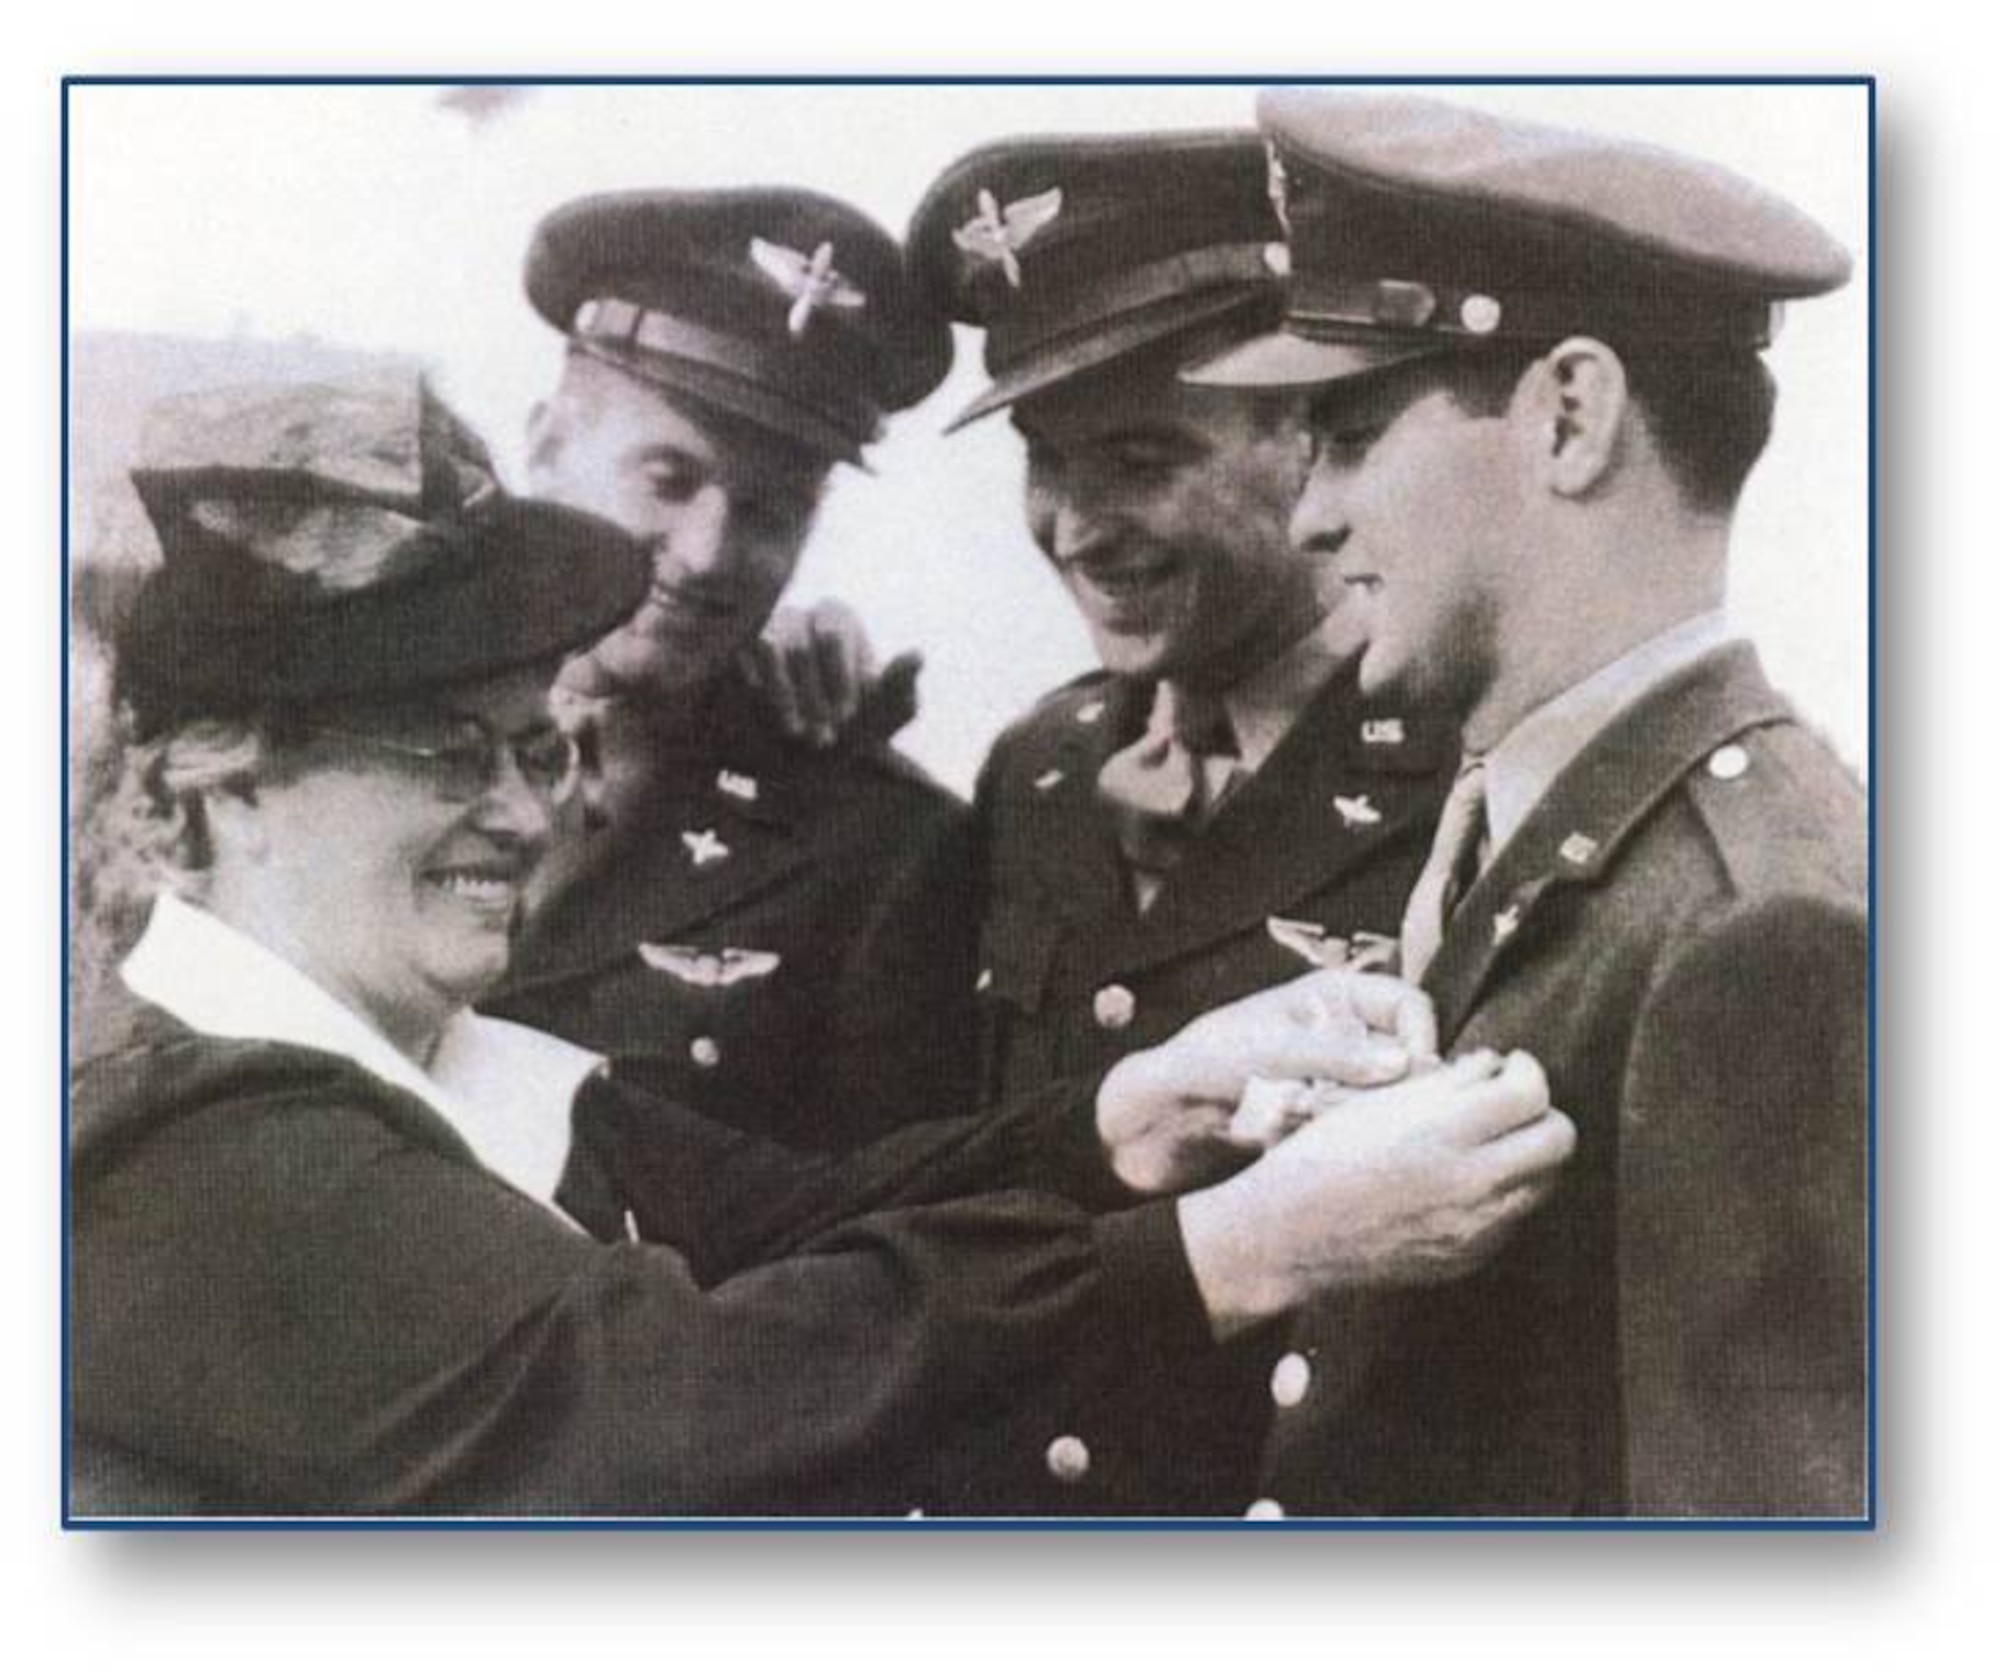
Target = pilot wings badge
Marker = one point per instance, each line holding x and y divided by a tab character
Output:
1363	952
709	970
999	235
812	283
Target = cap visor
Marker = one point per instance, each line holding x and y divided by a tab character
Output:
1282	359
1107	343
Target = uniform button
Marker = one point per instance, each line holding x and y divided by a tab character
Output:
1290	1378
1048	781
1265	1510
1090	711
985	981
1068	1458
705	1052
1725	764
1114	1007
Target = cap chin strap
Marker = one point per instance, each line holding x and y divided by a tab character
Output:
1329	306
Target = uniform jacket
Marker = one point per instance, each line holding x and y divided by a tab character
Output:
1331	832
1679	932
295	1291
785	943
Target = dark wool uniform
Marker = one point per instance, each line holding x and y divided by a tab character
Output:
1072	252
1330	832
1679	934
1677	931
297	1292
782	939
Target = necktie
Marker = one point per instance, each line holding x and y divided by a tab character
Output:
1165	785
1452	867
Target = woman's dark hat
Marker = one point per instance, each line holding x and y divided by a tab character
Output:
331	542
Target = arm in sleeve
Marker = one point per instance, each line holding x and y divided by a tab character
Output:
1742	1217
903	1041
296	1303
728	1200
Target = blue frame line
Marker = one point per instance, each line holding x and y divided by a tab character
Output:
1027	1525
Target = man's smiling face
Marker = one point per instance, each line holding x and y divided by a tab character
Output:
1164	508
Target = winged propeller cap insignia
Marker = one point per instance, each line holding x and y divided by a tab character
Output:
811	282
999	235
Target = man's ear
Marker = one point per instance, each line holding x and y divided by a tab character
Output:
1574	407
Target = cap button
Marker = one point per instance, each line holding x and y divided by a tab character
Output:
1114	1007
1725	764
1068	1458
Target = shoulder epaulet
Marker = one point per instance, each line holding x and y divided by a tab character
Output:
1783	812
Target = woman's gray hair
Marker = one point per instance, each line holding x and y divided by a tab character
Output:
143	827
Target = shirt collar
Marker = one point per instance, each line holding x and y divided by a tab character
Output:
1263	707
505	1089
1529	758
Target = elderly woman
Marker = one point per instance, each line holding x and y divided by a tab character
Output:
340	1245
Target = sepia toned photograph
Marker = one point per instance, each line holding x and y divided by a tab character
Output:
969	802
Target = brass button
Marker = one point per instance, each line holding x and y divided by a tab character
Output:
1114	1007
1290	1378
705	1052
1068	1458
1725	764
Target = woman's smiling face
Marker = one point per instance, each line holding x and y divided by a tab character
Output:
392	882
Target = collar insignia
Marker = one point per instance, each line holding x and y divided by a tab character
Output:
811	283
1358	812
999	235
703	847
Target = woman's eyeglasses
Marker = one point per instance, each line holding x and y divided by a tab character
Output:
464	758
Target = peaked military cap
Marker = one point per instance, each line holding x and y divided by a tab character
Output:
1073	250
339	541
777	305
1415	226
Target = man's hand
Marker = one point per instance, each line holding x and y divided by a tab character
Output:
1165	1114
1416	1184
817	668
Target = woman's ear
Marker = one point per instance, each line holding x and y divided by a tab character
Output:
234	821
1574	408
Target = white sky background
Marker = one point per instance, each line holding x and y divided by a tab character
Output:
371	217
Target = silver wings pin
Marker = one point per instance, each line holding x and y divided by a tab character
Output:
999	235
812	283
697	967
1367	952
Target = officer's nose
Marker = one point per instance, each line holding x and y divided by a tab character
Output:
699	539
1075	533
1319	518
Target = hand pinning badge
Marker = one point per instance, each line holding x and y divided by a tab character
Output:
812	283
999	235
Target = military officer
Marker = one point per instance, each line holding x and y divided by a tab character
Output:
1537	393
778	936
1216	809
